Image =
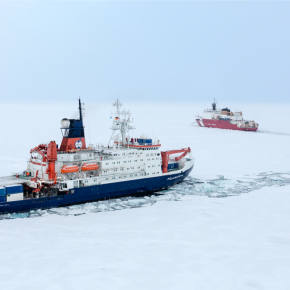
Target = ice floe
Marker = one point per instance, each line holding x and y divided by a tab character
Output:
216	188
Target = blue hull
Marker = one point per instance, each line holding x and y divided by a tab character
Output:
96	192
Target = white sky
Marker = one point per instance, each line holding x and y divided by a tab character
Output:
233	51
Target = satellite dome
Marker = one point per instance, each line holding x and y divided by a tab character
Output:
143	136
65	123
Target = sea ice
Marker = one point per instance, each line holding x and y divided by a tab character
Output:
226	226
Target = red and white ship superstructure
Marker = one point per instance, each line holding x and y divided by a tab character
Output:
225	119
74	173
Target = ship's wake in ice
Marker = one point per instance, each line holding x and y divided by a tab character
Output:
216	188
272	133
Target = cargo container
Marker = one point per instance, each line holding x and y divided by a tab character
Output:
2	198
145	141
15	188
14	196
2	191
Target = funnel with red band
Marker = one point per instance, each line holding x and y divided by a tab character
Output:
73	133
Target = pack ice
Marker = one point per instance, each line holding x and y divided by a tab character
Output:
224	227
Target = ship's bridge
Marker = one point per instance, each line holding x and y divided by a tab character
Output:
142	143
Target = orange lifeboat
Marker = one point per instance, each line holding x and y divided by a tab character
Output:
69	169
92	166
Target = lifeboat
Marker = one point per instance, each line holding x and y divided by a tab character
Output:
92	166
70	169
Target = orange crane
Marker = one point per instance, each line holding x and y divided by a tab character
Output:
165	157
49	153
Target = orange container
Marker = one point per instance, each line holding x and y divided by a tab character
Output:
69	169
92	166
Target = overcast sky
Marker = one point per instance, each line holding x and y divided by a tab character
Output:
57	51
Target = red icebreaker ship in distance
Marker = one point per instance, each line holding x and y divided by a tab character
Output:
225	119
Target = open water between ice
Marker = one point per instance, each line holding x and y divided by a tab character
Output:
216	188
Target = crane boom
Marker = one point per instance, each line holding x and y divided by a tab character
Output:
165	157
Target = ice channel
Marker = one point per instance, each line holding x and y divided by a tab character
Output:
215	188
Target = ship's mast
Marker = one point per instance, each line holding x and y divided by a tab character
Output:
81	109
214	105
121	124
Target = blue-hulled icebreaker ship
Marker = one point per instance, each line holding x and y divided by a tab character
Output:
74	173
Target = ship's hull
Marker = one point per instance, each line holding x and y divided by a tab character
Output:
221	124
96	192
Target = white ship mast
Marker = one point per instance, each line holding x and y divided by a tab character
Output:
121	124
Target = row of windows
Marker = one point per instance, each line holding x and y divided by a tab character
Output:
130	153
132	167
125	176
153	173
129	161
150	148
152	154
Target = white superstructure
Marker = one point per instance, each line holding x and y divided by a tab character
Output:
123	159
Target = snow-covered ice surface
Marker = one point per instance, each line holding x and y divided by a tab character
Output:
241	242
225	227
